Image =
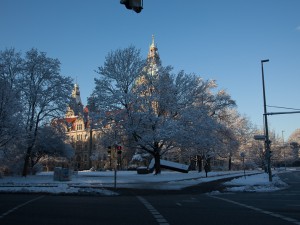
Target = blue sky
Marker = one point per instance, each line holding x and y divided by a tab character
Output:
216	39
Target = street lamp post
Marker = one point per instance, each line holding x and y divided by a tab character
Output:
267	140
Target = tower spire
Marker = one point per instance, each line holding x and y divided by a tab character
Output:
153	56
153	43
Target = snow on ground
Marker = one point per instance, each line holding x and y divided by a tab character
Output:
98	182
257	183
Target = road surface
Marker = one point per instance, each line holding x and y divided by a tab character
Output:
276	208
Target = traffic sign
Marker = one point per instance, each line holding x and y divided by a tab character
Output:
260	137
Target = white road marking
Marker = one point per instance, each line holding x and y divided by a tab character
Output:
19	206
158	217
259	210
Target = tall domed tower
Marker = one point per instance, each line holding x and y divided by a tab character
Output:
152	65
153	59
76	103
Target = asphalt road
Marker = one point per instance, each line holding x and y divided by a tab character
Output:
182	208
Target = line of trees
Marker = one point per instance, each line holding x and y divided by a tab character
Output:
147	108
32	94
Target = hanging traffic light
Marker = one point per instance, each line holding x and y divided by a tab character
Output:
135	5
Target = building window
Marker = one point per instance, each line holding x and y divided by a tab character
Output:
79	126
79	137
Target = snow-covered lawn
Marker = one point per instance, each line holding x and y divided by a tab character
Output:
256	183
98	182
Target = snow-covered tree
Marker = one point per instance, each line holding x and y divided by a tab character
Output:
117	76
294	141
156	109
203	135
199	136
10	105
280	151
110	101
239	134
50	142
45	93
151	119
11	117
295	136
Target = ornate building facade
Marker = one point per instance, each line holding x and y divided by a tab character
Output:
84	138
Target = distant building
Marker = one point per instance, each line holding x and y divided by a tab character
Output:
83	136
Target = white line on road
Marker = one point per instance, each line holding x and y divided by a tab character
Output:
159	218
19	206
259	210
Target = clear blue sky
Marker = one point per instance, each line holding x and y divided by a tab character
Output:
217	39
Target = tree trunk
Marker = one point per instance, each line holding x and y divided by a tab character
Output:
26	162
209	164
157	163
206	168
199	163
229	163
192	163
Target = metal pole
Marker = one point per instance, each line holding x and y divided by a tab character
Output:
244	167
283	150
115	178
91	146
267	140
